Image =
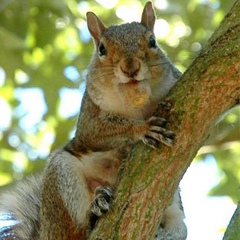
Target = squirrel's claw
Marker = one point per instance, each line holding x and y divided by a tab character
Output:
157	133
161	131
101	202
153	140
157	121
150	142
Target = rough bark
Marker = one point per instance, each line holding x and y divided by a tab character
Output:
209	88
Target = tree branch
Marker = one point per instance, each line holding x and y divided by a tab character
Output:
234	226
209	88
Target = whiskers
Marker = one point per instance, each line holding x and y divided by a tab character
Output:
106	73
158	64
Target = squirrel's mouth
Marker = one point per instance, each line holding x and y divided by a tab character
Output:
133	81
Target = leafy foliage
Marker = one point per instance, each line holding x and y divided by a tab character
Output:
45	51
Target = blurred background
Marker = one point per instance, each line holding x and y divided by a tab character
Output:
45	49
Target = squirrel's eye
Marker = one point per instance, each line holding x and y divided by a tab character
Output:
101	50
152	42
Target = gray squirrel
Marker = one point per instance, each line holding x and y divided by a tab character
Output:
127	77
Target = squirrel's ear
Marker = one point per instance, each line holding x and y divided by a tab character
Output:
95	26
148	16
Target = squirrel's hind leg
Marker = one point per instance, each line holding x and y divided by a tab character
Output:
173	226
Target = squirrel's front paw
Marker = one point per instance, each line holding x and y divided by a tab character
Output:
101	202
158	133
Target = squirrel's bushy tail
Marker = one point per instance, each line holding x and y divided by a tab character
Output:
19	210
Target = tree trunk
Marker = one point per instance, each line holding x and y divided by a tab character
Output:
209	88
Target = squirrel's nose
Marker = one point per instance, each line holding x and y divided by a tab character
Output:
130	67
131	73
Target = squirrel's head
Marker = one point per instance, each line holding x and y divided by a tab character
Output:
127	60
130	48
